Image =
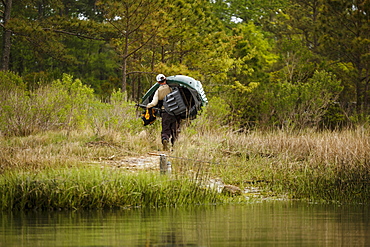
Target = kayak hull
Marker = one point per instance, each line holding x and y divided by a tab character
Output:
191	91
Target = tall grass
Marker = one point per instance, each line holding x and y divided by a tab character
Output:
327	166
330	166
94	188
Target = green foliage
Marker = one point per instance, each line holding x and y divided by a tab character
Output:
118	115
252	55
221	43
335	117
10	81
194	43
259	12
315	97
95	65
297	63
333	33
63	104
304	104
70	101
285	104
14	105
213	116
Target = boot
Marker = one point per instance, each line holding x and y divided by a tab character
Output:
165	144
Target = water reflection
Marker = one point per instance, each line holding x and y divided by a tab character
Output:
257	224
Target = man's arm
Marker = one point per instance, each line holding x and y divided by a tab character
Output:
154	100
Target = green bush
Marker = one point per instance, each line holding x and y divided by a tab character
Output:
117	115
11	82
15	105
63	104
212	116
289	104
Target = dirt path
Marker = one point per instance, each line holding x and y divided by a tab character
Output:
144	162
150	162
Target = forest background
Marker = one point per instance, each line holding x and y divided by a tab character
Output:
285	63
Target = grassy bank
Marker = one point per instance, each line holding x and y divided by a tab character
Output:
63	170
326	166
94	188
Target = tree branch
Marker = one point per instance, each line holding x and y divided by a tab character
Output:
140	72
72	34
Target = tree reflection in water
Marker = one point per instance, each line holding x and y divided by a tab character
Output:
266	223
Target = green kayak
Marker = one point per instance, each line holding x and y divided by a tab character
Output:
185	100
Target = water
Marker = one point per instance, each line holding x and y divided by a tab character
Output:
257	224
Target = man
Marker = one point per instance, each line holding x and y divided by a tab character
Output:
169	122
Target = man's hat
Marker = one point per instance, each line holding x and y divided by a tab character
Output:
160	78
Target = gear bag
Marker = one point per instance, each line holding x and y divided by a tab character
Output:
148	116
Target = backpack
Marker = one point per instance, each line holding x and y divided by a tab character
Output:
174	103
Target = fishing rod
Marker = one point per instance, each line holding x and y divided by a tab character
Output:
144	106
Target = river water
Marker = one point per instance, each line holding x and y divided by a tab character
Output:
279	223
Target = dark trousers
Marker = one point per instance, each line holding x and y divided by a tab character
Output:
170	125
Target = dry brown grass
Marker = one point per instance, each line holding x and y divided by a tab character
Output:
305	164
328	165
349	148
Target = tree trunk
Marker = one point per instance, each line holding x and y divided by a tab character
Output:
366	92
124	64
6	37
138	89
359	91
124	75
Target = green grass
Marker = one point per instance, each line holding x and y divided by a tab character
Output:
94	188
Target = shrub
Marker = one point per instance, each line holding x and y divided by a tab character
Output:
11	82
63	104
212	116
289	104
15	105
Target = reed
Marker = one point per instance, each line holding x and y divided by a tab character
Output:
327	166
94	188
